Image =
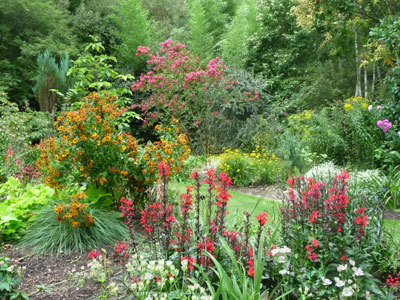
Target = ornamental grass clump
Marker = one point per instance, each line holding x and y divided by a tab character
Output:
327	235
70	224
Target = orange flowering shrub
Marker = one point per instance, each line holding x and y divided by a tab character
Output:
89	148
74	212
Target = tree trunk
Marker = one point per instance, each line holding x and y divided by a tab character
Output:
358	84
379	75
365	82
373	80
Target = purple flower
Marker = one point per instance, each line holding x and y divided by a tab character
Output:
379	107
379	123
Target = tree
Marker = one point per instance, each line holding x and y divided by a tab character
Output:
50	76
133	30
26	29
208	21
235	41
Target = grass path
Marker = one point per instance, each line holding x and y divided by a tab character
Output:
241	202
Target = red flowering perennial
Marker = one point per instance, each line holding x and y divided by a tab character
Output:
262	218
311	250
250	263
361	221
127	211
393	281
95	254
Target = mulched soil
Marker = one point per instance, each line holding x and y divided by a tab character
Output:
52	277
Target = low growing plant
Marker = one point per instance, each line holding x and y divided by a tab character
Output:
71	226
10	278
18	203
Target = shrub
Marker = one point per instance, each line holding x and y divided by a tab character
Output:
20	131
178	87
257	167
89	148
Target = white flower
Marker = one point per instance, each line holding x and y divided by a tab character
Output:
358	271
281	259
168	263
352	262
326	281
280	251
348	292
341	268
283	272
148	276
339	283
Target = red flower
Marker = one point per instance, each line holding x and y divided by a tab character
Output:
262	218
120	247
95	254
393	281
315	243
194	174
163	169
190	260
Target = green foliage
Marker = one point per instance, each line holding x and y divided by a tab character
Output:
47	235
96	72
133	30
10	279
50	76
21	130
169	20
235	284
208	19
235	41
94	18
26	29
17	204
257	167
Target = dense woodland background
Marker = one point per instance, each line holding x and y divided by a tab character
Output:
300	55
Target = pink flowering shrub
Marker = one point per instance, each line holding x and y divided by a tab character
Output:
178	86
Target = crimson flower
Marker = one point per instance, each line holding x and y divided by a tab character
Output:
95	254
262	218
120	247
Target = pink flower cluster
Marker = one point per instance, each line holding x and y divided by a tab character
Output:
384	125
176	82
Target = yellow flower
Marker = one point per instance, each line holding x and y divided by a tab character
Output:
348	107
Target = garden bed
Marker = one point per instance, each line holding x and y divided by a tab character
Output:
51	276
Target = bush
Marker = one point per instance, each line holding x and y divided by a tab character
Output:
89	149
257	167
205	100
20	130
